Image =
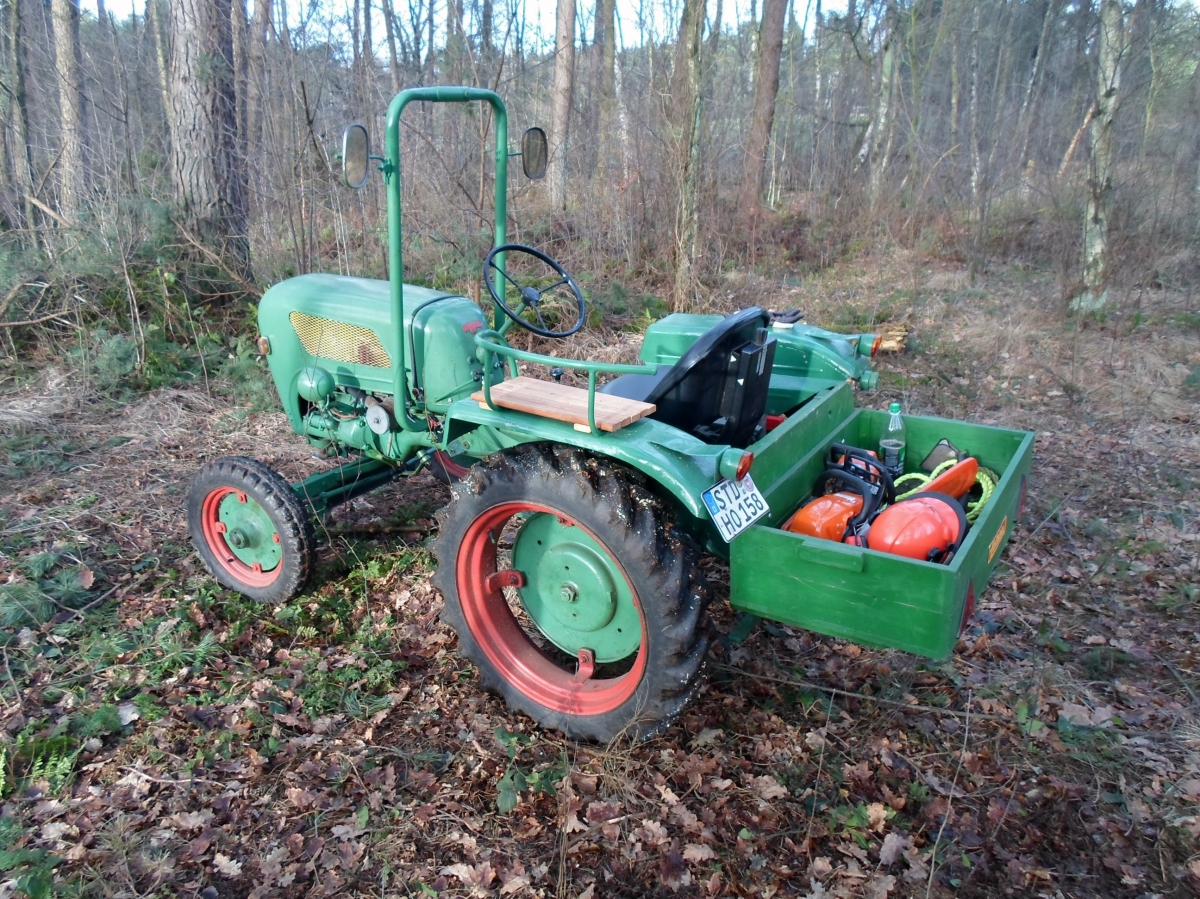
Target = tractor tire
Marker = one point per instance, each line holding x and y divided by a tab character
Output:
274	554
615	648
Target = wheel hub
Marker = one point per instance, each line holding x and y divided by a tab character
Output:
575	592
248	531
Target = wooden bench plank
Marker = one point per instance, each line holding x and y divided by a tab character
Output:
562	403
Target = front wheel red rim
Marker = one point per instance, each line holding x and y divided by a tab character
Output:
214	536
505	644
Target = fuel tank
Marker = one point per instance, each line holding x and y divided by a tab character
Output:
343	325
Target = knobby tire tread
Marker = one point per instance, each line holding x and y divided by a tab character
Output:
640	531
287	512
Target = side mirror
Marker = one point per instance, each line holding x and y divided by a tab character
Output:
533	154
356	153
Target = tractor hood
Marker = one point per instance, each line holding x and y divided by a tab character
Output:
343	325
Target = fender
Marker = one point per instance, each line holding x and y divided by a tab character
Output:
684	466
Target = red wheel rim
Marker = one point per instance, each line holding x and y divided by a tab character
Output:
452	468
214	536
506	645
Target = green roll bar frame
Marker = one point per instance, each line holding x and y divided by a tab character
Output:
390	167
492	343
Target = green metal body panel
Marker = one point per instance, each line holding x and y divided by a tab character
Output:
807	359
326	489
873	598
681	465
444	351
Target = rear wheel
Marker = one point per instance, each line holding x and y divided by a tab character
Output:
444	467
573	593
252	531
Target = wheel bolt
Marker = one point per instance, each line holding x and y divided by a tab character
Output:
569	593
235	538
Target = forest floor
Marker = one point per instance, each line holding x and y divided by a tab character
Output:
172	739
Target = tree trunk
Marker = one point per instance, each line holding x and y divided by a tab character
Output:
973	148
72	162
877	150
564	77
605	47
260	30
23	157
240	28
973	127
485	29
368	51
955	90
688	99
714	36
158	34
1028	105
1097	262
207	170
766	89
389	23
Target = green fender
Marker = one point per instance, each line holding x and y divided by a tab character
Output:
683	465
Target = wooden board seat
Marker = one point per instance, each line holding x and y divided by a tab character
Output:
562	403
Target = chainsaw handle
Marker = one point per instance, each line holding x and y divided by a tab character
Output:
872	494
842	457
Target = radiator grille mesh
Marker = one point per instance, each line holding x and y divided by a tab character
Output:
339	341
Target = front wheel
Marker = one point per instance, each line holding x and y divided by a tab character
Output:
573	593
251	529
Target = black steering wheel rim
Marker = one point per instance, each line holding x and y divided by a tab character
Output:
530	295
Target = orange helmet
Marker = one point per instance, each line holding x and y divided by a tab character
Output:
925	526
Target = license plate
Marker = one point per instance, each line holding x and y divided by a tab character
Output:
734	506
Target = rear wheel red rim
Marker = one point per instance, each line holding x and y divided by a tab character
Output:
452	468
214	536
506	645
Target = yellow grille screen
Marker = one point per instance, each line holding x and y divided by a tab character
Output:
339	341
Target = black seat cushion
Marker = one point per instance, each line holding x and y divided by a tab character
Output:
717	391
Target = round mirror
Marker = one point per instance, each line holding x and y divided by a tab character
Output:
356	150
533	154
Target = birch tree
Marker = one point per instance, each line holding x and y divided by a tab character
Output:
1097	261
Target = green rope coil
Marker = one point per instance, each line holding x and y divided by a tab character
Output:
920	479
985	479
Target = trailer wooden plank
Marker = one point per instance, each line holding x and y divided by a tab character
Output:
562	403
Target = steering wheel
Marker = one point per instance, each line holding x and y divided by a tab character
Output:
531	297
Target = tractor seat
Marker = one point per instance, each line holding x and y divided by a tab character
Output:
717	391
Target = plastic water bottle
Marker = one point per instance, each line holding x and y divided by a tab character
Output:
891	444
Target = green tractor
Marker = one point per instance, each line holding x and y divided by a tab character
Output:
568	555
